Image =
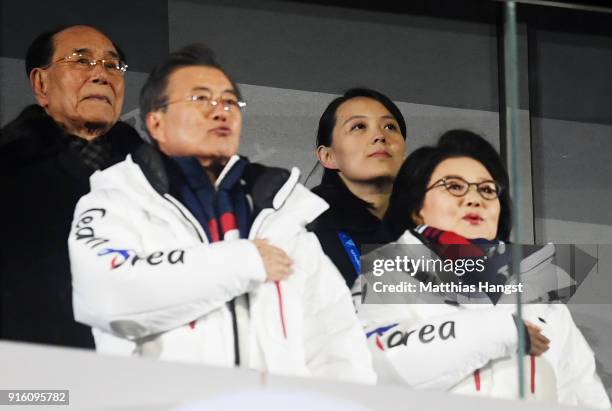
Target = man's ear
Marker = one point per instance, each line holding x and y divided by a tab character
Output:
155	126
39	81
326	157
417	218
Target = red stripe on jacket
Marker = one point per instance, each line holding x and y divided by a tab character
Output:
279	292
533	370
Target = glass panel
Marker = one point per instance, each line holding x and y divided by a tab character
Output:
511	68
570	95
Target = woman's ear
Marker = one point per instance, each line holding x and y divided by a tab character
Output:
417	218
326	157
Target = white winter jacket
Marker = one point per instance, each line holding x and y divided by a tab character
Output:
148	282
472	349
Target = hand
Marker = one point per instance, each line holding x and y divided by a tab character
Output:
539	343
276	262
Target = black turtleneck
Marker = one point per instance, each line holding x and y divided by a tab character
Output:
349	214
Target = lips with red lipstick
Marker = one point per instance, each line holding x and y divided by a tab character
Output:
221	131
473	218
380	154
98	97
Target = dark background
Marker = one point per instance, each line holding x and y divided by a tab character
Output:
441	61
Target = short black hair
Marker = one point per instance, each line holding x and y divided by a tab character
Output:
153	94
327	122
41	49
411	183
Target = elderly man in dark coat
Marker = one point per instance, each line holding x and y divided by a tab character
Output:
47	154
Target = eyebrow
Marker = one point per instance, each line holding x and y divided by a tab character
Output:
482	180
387	116
352	118
86	50
203	88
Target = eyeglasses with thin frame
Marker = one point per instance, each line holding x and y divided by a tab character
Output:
206	102
80	61
458	187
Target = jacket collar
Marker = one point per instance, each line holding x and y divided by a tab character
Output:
346	211
33	135
153	165
269	187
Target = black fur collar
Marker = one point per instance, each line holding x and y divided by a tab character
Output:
33	136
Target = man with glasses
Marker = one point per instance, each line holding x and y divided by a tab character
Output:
46	157
188	252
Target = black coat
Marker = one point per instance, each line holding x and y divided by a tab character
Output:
41	180
347	214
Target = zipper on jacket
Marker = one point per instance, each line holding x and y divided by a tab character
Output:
232	307
195	227
192	324
232	303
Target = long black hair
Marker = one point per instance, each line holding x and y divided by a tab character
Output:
327	122
411	182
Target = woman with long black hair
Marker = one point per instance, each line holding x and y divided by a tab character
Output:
361	145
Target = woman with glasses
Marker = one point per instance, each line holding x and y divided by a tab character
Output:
361	145
453	201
